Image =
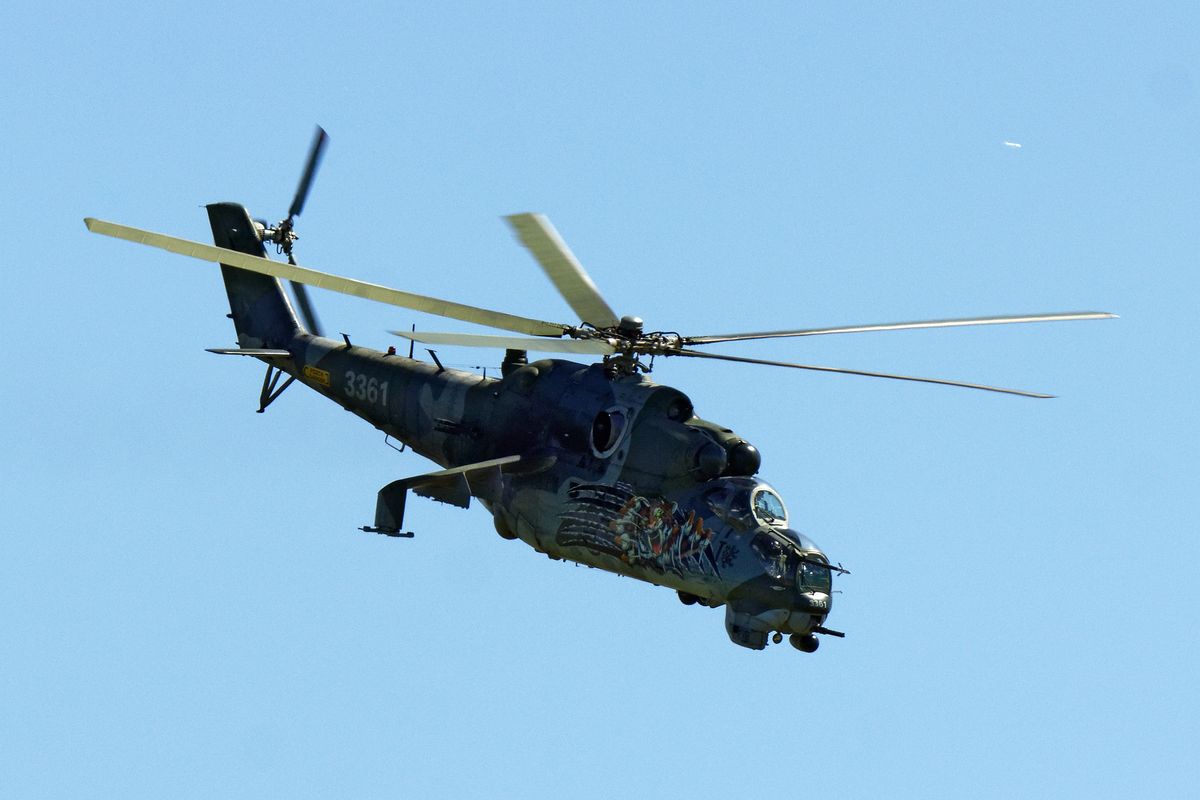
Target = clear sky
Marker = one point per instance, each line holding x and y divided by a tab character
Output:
186	608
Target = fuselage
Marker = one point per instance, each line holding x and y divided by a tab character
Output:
636	484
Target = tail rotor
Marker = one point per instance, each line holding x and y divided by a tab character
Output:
284	236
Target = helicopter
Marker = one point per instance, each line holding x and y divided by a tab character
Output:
587	462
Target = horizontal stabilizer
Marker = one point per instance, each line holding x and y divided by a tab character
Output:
248	351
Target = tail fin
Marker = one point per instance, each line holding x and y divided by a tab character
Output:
262	315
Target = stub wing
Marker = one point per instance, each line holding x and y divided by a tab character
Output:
256	352
455	486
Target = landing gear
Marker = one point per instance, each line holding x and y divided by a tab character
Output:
776	637
269	392
806	643
688	599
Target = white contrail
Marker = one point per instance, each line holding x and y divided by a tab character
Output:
1014	145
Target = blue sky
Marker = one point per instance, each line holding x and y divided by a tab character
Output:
187	608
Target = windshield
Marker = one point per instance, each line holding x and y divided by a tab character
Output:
813	576
746	503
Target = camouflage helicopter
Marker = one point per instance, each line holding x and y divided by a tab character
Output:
589	462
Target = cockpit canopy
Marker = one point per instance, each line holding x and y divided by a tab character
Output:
788	556
746	502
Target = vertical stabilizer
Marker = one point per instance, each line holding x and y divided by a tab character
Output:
261	313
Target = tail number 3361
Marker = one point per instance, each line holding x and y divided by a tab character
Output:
362	387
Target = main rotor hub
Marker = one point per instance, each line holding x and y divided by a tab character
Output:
630	327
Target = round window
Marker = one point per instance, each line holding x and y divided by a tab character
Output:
768	507
607	430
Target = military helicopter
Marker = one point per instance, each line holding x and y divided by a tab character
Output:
588	462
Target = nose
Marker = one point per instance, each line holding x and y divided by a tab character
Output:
809	610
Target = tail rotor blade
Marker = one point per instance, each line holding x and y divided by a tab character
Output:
310	168
306	309
315	152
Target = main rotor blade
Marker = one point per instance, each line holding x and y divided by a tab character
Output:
590	346
720	357
899	326
310	168
324	280
560	264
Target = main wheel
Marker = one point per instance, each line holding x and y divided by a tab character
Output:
503	529
687	599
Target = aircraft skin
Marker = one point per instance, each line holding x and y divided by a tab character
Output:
578	461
